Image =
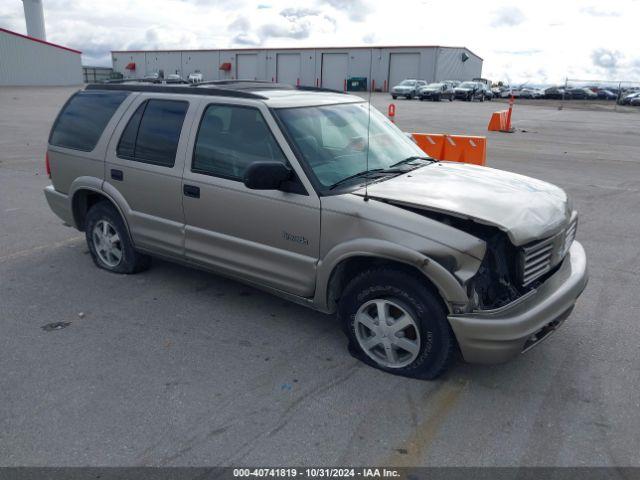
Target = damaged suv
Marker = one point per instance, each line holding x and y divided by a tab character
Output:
316	197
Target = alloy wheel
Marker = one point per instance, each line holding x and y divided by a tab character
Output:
387	333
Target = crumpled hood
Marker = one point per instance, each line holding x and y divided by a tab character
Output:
525	208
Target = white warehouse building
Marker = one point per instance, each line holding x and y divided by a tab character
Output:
31	60
27	61
332	67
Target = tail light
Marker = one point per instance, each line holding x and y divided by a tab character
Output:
47	164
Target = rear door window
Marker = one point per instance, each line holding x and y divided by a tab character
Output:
83	119
153	131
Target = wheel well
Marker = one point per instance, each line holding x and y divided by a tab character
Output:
348	269
82	201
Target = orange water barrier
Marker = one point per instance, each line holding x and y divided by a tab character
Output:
500	121
454	148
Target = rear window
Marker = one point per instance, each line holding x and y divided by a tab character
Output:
83	119
153	132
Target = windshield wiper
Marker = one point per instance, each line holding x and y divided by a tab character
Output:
356	175
410	159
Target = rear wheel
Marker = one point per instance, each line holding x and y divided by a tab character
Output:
396	323
109	243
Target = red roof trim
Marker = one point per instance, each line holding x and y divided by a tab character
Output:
38	40
248	49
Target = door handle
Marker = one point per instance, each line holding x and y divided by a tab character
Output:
117	174
191	191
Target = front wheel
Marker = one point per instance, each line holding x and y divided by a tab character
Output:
109	243
394	96
396	323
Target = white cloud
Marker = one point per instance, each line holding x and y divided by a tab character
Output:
519	41
507	17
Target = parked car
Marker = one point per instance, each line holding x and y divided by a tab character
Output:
606	95
530	92
195	77
470	91
436	92
555	93
488	93
635	101
452	83
580	94
174	78
430	259
626	99
407	88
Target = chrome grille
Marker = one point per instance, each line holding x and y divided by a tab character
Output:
536	260
540	257
570	235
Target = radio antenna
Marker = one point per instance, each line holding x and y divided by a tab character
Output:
369	84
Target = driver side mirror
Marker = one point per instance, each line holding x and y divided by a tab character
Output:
266	175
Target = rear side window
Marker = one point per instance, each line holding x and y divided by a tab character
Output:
83	119
153	132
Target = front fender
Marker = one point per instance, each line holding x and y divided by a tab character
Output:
448	287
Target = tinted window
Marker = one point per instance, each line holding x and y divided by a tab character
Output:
230	138
153	132
127	144
83	119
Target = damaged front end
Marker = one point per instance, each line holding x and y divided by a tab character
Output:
506	273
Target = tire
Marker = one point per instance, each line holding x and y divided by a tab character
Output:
451	98
409	97
429	335
102	225
394	96
421	98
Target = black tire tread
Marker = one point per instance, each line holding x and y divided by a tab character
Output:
133	261
412	288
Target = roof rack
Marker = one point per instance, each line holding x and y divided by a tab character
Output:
317	89
222	88
173	88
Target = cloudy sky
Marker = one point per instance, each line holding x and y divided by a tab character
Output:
537	41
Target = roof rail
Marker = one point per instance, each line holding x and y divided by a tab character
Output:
245	84
173	88
146	80
317	89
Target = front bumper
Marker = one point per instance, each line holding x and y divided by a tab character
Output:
60	204
495	336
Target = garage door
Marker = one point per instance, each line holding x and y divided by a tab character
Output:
288	68
403	65
334	70
247	66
